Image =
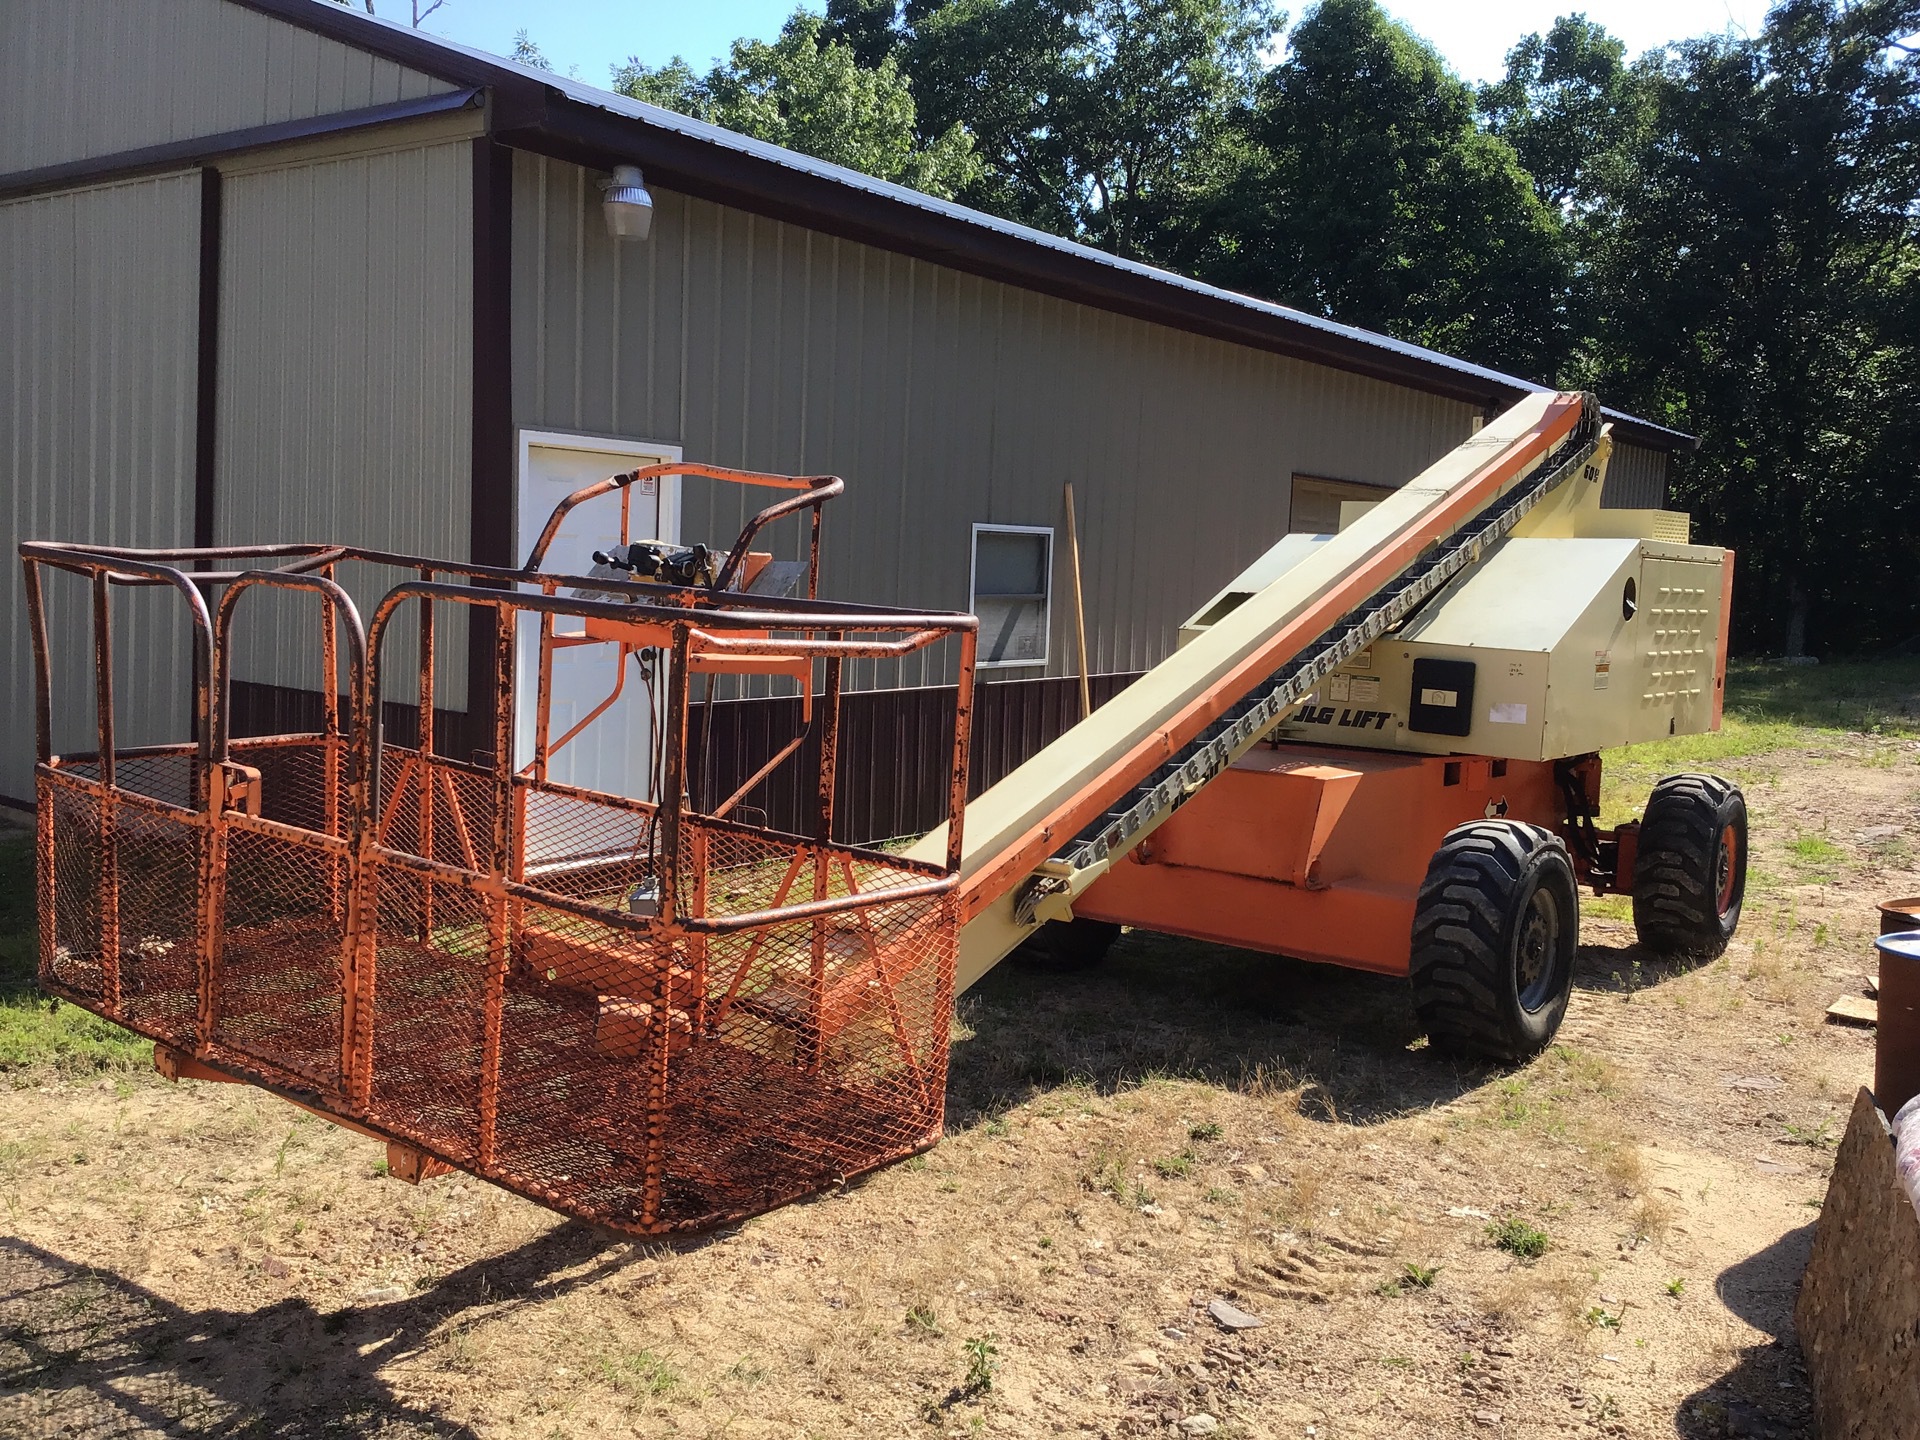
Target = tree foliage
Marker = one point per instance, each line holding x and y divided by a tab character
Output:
1107	120
808	92
1757	276
1568	104
1416	222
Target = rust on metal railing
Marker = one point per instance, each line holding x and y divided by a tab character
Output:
632	1009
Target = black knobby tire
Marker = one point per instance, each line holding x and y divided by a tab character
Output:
1494	935
1690	871
1060	947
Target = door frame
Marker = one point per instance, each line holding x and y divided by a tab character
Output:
527	440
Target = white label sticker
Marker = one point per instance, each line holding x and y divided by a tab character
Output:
1339	687
1508	714
1448	698
1366	689
649	484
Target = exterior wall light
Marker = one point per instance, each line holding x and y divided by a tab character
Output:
626	204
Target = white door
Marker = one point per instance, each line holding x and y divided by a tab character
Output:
612	753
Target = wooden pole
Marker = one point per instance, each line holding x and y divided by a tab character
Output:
1079	606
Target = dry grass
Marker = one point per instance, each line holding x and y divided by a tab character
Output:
1188	1123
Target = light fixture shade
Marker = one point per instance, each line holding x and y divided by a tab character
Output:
626	204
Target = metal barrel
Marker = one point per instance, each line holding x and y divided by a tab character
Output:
1899	915
1896	1051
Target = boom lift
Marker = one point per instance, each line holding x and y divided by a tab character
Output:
1376	748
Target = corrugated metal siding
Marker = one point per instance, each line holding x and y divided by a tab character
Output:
98	298
1636	479
943	399
345	365
85	78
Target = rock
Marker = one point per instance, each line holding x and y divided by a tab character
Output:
1755	1084
1880	832
1486	1417
1201	1424
1174	1332
381	1294
1232	1317
1143	1360
1151	1210
1249	1172
1467	1212
276	1267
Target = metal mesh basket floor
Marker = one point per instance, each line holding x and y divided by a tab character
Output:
650	1077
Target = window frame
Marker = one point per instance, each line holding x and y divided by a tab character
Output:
1045	598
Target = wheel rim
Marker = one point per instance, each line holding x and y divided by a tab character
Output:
1537	951
1725	854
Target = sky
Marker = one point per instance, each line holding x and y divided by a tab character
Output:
585	37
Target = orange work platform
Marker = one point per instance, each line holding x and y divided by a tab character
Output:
1315	852
626	1009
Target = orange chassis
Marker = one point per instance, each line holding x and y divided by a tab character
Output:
1319	852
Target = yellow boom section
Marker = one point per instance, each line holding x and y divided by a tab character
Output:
1013	876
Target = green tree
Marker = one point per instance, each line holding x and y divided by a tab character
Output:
1760	286
866	27
527	52
1001	67
1365	191
1567	104
806	91
1104	120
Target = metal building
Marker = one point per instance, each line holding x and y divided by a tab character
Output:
274	270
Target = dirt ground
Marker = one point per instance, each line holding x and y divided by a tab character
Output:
1186	1124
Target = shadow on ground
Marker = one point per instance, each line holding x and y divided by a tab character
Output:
1162	1006
87	1352
1766	1395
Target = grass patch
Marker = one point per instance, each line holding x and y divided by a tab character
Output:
1607	907
1174	1167
1870	697
640	1373
982	1361
1815	856
1818	1137
921	1321
1771	708
36	1031
1518	1238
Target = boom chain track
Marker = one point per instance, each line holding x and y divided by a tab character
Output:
1248	721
